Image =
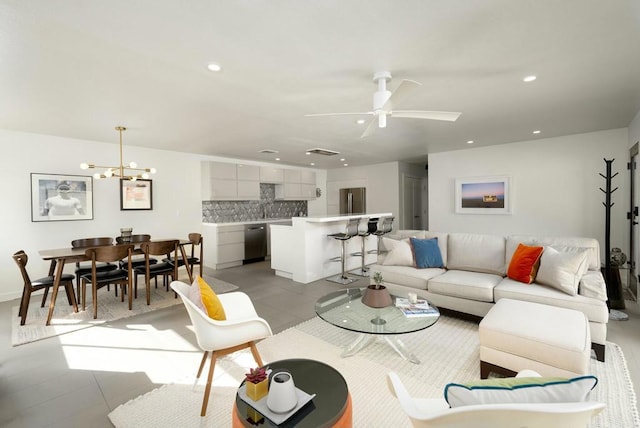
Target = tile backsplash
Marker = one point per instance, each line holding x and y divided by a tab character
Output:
267	207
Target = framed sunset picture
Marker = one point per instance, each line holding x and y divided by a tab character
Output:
483	195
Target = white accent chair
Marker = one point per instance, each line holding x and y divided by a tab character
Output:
436	413
242	328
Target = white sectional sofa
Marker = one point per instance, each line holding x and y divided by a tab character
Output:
474	276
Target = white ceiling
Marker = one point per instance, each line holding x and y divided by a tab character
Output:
78	68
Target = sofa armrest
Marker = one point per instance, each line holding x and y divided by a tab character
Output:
592	285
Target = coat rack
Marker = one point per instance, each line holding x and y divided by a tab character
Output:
611	274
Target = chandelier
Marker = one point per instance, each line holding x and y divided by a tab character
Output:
127	172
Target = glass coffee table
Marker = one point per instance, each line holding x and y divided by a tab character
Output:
345	309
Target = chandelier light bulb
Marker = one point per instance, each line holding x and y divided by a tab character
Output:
152	170
145	176
108	173
97	176
84	165
133	165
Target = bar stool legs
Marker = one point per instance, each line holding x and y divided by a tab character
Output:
342	278
351	230
362	270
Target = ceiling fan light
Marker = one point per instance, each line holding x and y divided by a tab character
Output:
382	120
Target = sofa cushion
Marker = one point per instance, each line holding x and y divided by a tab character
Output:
520	390
563	268
592	285
595	310
407	276
426	253
399	253
467	285
405	233
476	253
576	242
524	263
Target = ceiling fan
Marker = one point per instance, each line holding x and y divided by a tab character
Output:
384	103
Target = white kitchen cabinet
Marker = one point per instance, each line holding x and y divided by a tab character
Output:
224	245
270	174
223	181
248	190
222	189
248	172
298	185
223	170
308	177
292	175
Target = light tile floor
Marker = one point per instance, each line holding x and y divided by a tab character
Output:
76	379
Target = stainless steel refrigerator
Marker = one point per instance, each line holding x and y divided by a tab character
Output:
353	200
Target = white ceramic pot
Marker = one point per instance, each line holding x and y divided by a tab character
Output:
282	395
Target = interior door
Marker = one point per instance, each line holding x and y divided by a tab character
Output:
634	231
411	203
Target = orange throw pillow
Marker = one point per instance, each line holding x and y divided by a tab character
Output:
524	263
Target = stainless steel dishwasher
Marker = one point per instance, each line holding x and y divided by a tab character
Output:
255	242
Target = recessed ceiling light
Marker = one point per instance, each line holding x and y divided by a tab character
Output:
214	67
470	142
360	121
277	159
529	78
342	160
346	164
536	131
307	153
312	164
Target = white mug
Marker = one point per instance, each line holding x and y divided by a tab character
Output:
282	393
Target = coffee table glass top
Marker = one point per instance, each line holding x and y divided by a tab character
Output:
345	309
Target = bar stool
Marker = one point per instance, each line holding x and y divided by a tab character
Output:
350	231
386	226
371	227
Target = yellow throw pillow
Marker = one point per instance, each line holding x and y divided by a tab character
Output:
211	301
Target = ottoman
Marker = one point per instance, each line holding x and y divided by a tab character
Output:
517	335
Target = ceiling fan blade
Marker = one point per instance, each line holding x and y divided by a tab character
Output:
405	88
339	114
450	116
371	127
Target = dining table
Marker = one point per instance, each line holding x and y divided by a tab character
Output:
61	256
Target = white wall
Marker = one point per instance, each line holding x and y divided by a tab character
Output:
634	130
554	186
177	202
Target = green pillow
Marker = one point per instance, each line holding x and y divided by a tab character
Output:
520	390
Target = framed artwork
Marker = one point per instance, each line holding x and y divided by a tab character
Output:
57	197
483	195
136	195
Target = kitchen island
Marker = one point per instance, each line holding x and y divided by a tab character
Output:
303	251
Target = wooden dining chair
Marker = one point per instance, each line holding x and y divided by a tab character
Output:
165	269
30	286
136	260
85	268
197	247
97	279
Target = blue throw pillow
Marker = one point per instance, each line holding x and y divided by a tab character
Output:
426	253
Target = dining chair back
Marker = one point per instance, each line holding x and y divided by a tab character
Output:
241	329
85	268
153	270
21	259
135	239
99	279
196	254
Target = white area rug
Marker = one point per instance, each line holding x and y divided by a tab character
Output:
110	308
448	351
